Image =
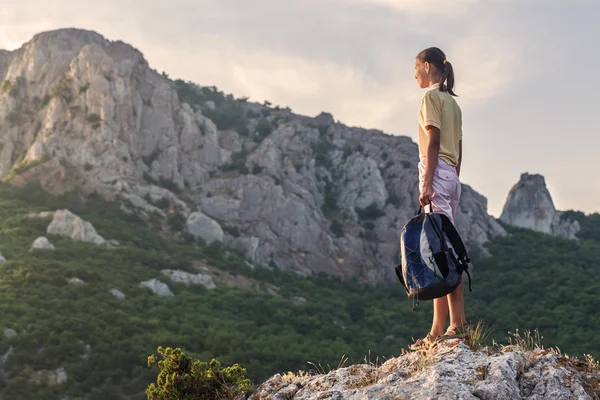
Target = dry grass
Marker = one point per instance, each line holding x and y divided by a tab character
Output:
528	341
478	333
363	376
320	370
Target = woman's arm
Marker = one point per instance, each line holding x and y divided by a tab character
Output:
433	150
459	158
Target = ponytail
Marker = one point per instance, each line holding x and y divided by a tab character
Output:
435	56
448	77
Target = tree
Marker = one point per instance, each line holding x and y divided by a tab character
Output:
183	378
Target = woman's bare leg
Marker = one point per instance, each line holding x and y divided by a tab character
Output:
456	304
440	314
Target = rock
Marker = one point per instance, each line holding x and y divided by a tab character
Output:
247	246
42	243
117	293
5	356
324	119
187	278
10	333
157	287
452	371
65	223
472	220
205	228
529	205
298	300
76	281
2	259
363	184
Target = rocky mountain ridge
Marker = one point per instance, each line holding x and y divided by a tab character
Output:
80	111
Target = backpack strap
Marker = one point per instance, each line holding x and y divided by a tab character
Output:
455	239
457	244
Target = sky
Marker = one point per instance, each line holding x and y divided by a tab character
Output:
526	70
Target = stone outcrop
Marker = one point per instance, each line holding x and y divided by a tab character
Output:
452	371
158	287
65	223
187	278
42	243
529	205
117	293
205	228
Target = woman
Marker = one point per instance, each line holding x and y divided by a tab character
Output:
440	153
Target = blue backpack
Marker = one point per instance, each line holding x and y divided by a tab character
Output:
429	267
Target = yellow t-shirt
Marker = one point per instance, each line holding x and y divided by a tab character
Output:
441	110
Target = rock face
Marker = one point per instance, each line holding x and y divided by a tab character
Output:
187	278
529	205
452	372
65	223
2	259
42	243
157	287
80	111
204	228
117	293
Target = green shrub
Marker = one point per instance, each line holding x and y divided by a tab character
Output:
177	221
329	206
183	378
264	128
62	89
337	228
163	203
237	163
370	212
93	118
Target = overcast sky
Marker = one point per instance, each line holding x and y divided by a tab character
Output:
527	71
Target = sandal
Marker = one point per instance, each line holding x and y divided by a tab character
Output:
457	332
427	342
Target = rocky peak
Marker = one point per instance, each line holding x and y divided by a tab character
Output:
529	205
78	111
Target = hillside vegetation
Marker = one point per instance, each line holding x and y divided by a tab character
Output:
531	281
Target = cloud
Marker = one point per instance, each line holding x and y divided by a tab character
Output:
426	7
351	58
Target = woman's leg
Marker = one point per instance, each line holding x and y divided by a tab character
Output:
456	304
440	314
456	299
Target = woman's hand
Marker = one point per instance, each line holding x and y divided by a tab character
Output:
426	196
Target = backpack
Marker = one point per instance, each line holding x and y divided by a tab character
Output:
429	267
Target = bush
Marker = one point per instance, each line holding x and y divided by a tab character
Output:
370	212
93	118
177	222
264	128
329	206
62	90
237	163
183	378
336	228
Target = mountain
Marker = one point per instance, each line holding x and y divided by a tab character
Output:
529	205
311	194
